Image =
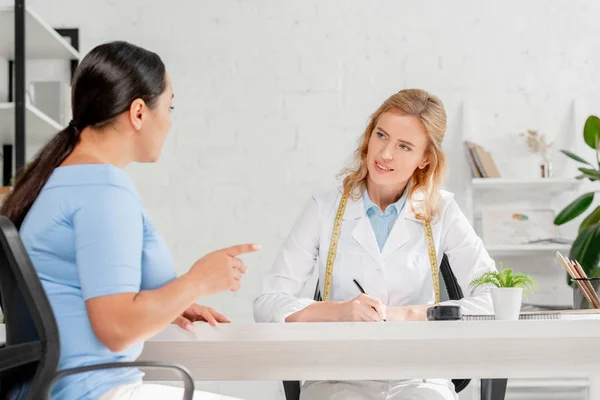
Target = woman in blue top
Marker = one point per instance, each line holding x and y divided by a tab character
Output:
106	270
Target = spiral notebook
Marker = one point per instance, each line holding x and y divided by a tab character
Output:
537	315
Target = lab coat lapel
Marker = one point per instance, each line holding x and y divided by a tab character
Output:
364	235
400	233
363	231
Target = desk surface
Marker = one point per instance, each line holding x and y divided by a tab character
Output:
474	349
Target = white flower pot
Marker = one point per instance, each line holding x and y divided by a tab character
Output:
507	303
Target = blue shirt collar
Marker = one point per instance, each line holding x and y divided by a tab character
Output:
395	207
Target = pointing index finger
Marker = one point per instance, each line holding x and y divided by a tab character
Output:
235	251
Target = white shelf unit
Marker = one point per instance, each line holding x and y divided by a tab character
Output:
521	192
534	259
525	250
515	191
40	127
548	185
42	41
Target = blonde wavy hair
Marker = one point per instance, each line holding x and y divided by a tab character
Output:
426	183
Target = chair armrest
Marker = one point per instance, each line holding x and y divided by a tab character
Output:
19	354
188	382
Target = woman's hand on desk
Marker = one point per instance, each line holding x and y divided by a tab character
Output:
197	312
408	313
361	308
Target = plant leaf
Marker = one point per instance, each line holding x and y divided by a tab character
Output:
524	281
585	248
575	209
591	219
590	173
489	278
508	278
591	130
505	278
575	157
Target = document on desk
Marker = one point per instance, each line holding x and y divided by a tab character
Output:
538	315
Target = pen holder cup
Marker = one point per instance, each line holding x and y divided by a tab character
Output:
580	300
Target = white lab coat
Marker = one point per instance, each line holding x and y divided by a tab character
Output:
399	274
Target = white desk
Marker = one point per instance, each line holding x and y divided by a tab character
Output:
490	349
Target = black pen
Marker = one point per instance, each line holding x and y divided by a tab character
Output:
363	292
359	287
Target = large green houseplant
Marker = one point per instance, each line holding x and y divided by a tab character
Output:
586	247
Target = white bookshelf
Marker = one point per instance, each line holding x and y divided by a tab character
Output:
527	249
524	191
513	185
42	41
40	127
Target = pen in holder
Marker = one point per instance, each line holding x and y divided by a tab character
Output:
580	300
580	280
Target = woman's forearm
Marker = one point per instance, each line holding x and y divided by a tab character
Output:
125	319
322	311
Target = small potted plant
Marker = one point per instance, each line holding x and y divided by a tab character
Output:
508	291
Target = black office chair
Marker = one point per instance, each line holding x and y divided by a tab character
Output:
491	389
32	347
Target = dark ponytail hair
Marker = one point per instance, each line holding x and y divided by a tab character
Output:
106	82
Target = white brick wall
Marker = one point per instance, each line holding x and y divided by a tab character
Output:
272	95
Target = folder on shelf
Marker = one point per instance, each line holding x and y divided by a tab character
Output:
475	171
480	161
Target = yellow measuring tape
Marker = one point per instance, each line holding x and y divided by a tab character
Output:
333	245
335	236
435	274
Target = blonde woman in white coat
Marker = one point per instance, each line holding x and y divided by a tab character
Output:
393	189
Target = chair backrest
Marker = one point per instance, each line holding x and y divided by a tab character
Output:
27	313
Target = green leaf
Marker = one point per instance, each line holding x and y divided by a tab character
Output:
586	247
505	278
575	157
591	173
575	209
591	219
591	130
586	176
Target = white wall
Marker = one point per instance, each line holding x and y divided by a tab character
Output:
272	95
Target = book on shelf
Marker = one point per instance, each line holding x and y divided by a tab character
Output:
480	161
